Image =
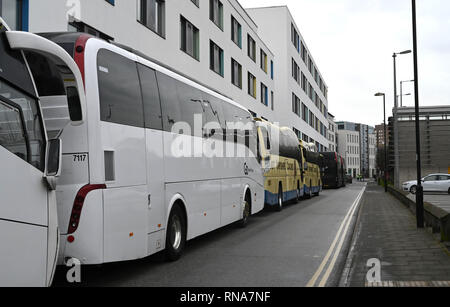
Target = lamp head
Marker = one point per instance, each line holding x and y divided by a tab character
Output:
379	94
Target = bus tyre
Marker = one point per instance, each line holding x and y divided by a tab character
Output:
318	192
310	193
299	193
279	207
245	214
176	234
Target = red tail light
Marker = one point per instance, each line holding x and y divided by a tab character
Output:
79	203
336	157
80	46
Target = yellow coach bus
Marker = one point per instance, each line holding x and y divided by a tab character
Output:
282	161
313	183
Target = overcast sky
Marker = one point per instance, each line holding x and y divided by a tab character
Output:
352	42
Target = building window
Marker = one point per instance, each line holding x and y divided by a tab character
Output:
305	113
263	59
236	73
296	105
216	58
15	14
271	70
304	82
264	95
251	48
251	85
295	38
304	53
152	15
312	119
216	12
189	38
272	100
236	32
295	71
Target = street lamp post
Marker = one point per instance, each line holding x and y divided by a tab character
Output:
401	91
396	147
419	195
385	140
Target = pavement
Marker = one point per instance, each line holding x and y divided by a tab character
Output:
386	233
275	250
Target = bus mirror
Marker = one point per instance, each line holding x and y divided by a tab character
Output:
53	162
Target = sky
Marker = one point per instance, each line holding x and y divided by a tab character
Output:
352	42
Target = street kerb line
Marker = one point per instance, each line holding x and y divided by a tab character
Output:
325	278
346	223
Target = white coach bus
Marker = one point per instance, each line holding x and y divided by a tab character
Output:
125	193
29	160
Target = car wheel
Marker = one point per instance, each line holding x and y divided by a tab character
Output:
176	234
413	189
449	191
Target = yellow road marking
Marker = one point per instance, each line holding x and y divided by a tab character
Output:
346	220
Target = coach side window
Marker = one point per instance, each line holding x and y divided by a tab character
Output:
191	101
32	121
12	131
150	95
120	93
169	101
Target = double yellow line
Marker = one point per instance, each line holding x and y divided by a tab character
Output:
340	236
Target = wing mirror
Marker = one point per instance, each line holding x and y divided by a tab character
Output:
53	162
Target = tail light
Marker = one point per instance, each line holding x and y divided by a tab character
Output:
79	203
336	157
80	46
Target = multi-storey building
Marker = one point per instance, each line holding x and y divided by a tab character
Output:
212	41
259	61
357	143
299	85
379	131
332	129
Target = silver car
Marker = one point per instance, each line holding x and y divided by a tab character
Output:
431	183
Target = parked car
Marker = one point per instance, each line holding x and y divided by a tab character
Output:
349	179
431	183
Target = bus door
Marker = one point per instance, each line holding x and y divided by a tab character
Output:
29	233
28	229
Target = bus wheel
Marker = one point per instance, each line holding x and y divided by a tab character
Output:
246	213
318	192
299	193
280	198
176	234
310	193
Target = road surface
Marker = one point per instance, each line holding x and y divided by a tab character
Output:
276	249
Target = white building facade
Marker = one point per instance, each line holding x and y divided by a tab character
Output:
212	41
357	144
299	86
332	135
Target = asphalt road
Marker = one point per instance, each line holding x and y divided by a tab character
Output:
276	249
